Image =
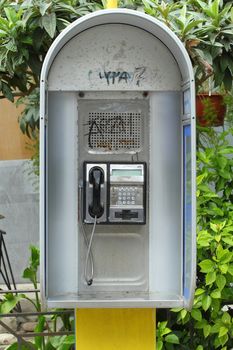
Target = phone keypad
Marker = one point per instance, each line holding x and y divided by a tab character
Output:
126	195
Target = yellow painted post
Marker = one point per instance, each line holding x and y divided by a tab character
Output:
115	329
111	4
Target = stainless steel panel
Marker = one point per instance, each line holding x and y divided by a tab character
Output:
165	195
114	131
115	247
120	254
111	126
62	187
117	300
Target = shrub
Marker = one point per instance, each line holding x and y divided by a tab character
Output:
209	325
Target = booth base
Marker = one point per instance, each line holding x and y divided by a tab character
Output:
115	329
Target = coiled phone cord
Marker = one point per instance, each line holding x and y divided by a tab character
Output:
89	256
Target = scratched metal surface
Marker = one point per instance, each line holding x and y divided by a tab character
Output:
114	57
136	267
121	252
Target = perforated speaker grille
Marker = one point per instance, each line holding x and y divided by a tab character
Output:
114	131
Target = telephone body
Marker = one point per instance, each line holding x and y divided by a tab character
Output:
114	193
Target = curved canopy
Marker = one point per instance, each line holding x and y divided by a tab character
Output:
124	17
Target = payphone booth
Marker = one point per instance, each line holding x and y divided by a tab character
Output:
117	165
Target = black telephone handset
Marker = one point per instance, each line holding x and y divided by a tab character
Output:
96	178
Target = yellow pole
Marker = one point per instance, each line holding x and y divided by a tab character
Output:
115	329
111	4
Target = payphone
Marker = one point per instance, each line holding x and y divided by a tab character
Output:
115	193
117	196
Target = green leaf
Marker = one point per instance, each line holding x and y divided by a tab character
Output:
204	238
57	341
207	265
227	80
49	23
206	330
216	327
22	125
6	90
159	345
214	227
225	174
200	324
228	240
216	294
13	346
222	331
223	339
70	339
223	268
172	338
183	313
4	24
35	64
176	309
44	7
223	255
24	346
226	318
199	291
230	269
226	258
215	305
200	347
210	278
196	314
221	282
165	331
29	273
48	345
39	328
11	14
218	238
192	25
206	302
200	178
215	8
11	46
222	162
203	157
162	325
35	257
10	302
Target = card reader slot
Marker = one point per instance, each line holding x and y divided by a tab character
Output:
126	214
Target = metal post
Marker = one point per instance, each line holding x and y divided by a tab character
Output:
111	4
111	329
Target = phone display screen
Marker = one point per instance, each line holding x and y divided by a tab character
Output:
126	172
